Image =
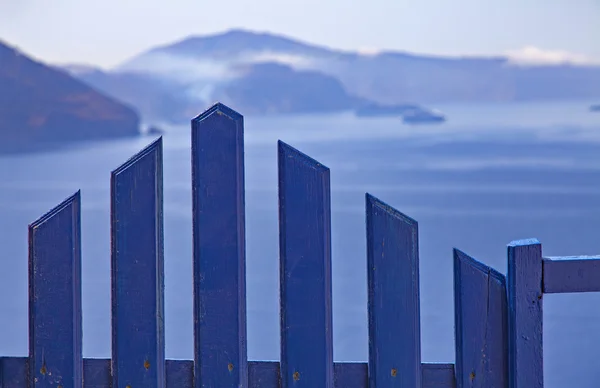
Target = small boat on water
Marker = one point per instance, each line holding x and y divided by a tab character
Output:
410	114
421	116
377	110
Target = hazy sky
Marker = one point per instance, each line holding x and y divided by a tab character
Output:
105	32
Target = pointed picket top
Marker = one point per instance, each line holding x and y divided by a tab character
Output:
374	201
155	146
287	150
462	257
73	200
220	109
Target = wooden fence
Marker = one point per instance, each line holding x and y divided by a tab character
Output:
498	319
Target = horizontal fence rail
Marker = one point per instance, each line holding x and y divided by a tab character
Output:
498	318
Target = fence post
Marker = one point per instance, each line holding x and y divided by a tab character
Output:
220	349
480	316
393	297
55	332
137	271
305	271
525	314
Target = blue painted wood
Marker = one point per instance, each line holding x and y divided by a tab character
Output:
55	336
438	376
393	297
96	373
571	274
180	373
350	375
137	271
524	283
305	270
261	374
14	372
481	330
220	350
498	319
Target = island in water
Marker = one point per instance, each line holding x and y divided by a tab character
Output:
422	116
378	110
410	113
154	131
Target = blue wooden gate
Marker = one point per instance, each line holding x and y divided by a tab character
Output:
498	319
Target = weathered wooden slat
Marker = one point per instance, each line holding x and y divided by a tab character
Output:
96	373
393	297
55	336
350	375
438	376
481	331
220	350
180	373
14	372
137	271
524	283
264	374
305	271
571	274
261	374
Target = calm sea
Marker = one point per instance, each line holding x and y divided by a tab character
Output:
492	174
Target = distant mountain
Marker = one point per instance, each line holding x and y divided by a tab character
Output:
155	98
40	106
267	73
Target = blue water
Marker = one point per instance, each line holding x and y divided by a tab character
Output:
492	174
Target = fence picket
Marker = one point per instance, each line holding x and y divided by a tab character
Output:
393	298
526	369
220	352
480	309
55	336
305	271
137	271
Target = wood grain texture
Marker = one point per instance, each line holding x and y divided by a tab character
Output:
305	271
393	297
96	373
220	347
438	376
525	314
14	372
571	274
55	331
261	374
137	271
481	332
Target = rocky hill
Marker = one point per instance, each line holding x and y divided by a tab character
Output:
41	107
